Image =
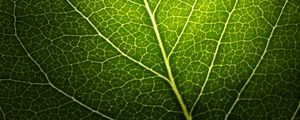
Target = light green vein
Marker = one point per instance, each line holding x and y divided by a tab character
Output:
259	61
214	57
25	82
115	47
2	113
296	111
44	73
167	63
156	7
183	29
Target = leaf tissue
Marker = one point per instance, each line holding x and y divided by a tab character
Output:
149	59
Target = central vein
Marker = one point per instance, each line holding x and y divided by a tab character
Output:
167	63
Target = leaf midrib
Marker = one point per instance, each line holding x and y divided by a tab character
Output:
171	80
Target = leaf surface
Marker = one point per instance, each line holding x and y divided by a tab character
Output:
149	59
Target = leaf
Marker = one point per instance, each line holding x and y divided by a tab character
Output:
149	59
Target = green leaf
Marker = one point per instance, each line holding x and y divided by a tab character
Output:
149	59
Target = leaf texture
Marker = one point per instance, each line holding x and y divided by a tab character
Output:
150	59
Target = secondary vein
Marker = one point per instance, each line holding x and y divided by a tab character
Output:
183	29
214	57
2	113
115	47
46	76
261	58
19	81
156	7
296	111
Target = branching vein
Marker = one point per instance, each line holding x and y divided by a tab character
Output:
19	81
167	63
46	76
115	47
183	29
296	111
156	7
2	112
260	60
214	57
